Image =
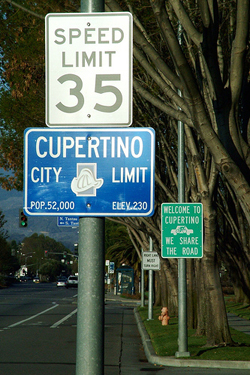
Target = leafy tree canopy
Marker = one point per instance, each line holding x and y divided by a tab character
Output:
22	74
37	244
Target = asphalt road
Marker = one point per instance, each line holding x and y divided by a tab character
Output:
34	337
38	335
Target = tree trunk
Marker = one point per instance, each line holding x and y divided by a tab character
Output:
240	281
162	289
191	295
215	325
170	271
157	301
238	292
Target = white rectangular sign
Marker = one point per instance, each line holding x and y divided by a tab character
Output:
150	260
88	69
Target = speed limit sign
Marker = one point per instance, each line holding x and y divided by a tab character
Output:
88	69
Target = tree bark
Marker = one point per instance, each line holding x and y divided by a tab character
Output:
215	324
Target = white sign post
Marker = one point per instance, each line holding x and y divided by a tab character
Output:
89	69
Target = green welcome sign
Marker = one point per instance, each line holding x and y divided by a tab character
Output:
182	230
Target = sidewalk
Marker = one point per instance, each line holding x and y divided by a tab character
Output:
124	352
110	296
234	321
238	323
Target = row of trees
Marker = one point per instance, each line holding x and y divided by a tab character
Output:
40	254
8	261
199	50
44	255
191	64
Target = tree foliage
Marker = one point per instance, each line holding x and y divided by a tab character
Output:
121	249
51	269
39	243
8	261
3	232
22	66
33	254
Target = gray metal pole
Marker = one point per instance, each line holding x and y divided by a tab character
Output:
142	285
182	282
150	286
90	309
182	278
91	6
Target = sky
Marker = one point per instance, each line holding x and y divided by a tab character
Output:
12	201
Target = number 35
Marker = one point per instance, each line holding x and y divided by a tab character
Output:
99	88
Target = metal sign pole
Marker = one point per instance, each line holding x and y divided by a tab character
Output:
90	309
182	278
91	6
150	286
182	282
90	312
142	284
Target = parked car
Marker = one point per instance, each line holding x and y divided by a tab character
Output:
72	282
61	281
23	279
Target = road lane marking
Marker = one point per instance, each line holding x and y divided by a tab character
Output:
55	325
32	317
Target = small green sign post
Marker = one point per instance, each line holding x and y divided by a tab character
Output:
182	230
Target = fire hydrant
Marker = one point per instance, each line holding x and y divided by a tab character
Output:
164	317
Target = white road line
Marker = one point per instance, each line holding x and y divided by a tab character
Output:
32	317
55	325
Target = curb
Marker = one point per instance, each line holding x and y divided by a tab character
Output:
177	362
135	302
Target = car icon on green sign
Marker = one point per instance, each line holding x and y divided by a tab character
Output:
181	229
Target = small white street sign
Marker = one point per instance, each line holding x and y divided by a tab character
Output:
150	261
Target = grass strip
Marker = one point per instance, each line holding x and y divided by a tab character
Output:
239	309
164	340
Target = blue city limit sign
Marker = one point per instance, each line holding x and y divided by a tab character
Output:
89	172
